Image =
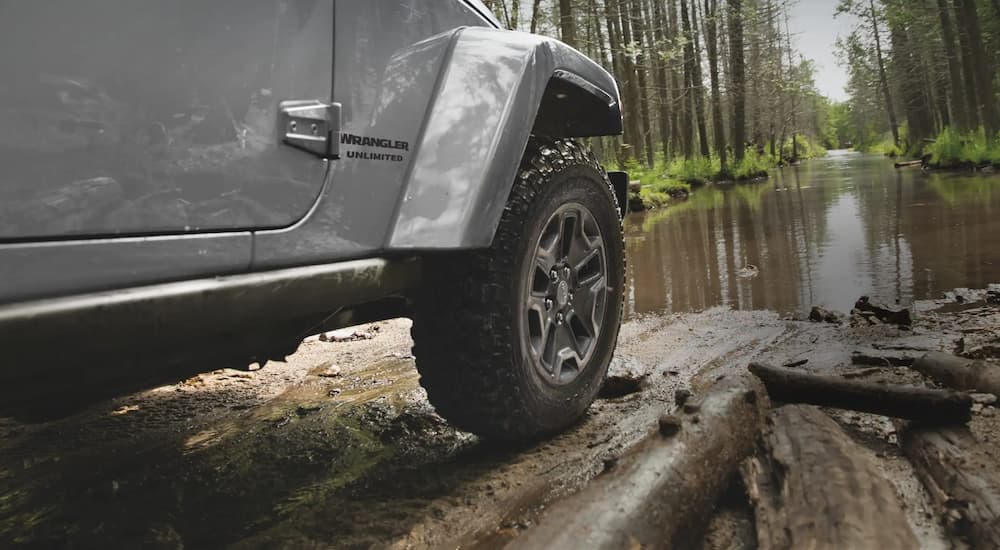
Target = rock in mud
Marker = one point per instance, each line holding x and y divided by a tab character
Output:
993	295
669	425
894	317
822	315
616	386
681	396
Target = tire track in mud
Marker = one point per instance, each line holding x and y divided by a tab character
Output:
294	456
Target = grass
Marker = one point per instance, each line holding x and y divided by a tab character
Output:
666	181
953	148
807	149
753	165
887	148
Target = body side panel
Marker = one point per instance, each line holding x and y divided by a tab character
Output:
36	270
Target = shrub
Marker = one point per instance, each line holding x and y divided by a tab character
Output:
952	148
753	165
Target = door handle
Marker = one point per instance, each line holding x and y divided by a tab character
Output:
312	126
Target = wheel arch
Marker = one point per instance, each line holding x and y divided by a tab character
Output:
497	88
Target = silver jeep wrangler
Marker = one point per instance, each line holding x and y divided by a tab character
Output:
190	184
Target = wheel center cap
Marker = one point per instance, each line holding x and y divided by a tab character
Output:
562	293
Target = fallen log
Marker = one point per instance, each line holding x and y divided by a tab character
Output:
919	404
906	163
660	494
884	314
959	373
880	359
811	486
962	479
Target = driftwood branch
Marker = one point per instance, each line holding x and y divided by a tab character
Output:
962	479
813	487
920	404
959	373
661	493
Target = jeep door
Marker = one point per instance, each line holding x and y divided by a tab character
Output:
389	55
134	118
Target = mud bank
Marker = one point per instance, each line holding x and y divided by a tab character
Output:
339	446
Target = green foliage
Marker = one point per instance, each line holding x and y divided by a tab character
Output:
696	170
658	188
839	131
752	166
887	148
807	148
953	147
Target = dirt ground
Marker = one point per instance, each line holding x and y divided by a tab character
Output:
340	448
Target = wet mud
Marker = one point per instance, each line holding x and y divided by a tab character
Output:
339	447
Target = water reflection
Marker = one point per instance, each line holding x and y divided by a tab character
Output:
820	234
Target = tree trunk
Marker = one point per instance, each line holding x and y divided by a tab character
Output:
639	27
922	404
959	102
982	66
662	491
962	479
699	83
686	118
968	73
632	84
663	98
534	15
712	45
883	80
911	77
567	24
813	487
738	72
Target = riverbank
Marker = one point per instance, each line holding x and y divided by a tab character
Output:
666	183
951	150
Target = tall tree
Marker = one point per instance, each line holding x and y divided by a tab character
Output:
712	45
738	76
981	65
535	12
664	95
959	102
566	22
883	79
641	46
699	84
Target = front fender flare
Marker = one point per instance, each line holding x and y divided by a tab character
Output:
485	108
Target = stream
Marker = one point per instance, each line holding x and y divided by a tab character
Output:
822	233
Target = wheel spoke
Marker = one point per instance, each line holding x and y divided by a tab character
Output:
588	257
567	233
586	302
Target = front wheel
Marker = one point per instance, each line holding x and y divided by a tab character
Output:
514	341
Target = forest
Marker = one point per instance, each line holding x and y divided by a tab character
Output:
717	90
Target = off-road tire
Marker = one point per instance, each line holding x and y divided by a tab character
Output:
471	357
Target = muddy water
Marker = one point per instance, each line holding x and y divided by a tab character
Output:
822	233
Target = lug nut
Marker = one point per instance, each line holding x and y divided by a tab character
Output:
566	272
559	318
555	275
548	304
